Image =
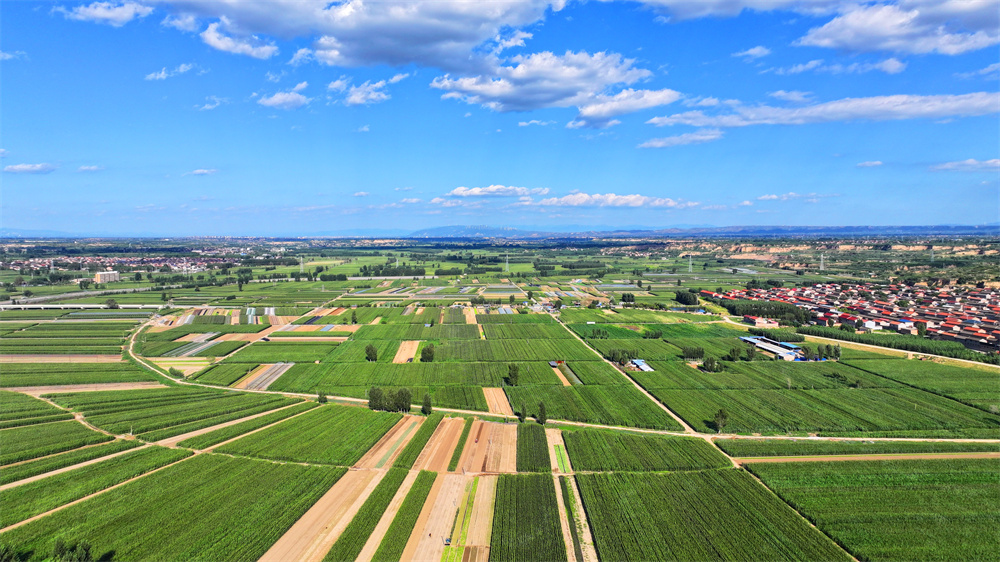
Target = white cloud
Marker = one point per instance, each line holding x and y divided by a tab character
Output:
202	172
690	9
4	55
163	74
598	112
300	86
250	46
697	137
409	200
991	71
878	108
399	78
3	152
284	100
515	39
791	195
211	102
367	93
613	200
90	168
30	168
361	194
949	27
771	197
754	53
700	102
794	96
364	129
535	122
496	191
110	13
745	204
339	85
888	66
870	164
274	76
446	202
970	165
182	22
543	80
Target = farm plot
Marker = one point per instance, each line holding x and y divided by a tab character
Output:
19	409
406	351
60	346
34	498
224	374
597	373
350	543
973	386
283	352
513	319
897	510
532	448
396	537
314	378
330	434
206	440
150	519
629	315
33	441
607	405
417	332
161	413
45	374
525	332
409	455
44	465
814	447
526	520
786	375
835	410
504	350
716	514
617	451
490	447
640	348
437	453
354	351
461	397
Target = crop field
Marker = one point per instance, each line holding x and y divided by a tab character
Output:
223	374
715	514
330	434
19	410
45	374
609	405
786	375
973	386
608	451
532	448
812	447
160	413
514	319
526	520
190	511
226	433
402	525
647	349
409	455
312	378
33	441
283	352
897	510
353	351
525	332
70	338
354	537
629	316
69	458
505	350
836	410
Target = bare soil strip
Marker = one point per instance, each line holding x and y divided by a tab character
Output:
437	453
436	519
582	525
407	350
37	477
243	382
561	376
481	524
311	537
564	522
892	457
266	378
496	401
491	448
61	359
59	388
376	320
172	441
554	437
482	334
390	513
470	315
392	443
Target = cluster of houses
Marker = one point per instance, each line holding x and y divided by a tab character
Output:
103	263
964	314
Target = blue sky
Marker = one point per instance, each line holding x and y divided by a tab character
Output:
297	118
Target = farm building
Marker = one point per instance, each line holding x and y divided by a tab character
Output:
107	276
783	350
759	322
641	365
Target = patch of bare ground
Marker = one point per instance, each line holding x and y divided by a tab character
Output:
390	513
435	520
496	401
437	452
407	350
392	443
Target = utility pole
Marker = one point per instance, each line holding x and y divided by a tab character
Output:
690	270
821	257
932	254
301	265
506	265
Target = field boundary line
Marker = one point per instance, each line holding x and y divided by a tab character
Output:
172	441
72	467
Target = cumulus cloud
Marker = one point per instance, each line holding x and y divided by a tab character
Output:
250	46
991	71
911	26
364	129
291	99
181	22
163	74
367	93
878	108
970	165
496	191
300	86
90	168
5	55
791	195
110	13
613	200
211	102
361	194
697	137
399	78
543	80
202	172
888	66
535	122
30	168
409	200
870	164
753	53
793	96
339	85
598	113
745	204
